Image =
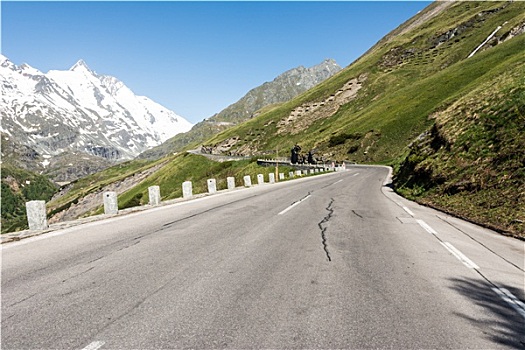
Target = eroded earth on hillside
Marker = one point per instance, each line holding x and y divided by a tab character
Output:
303	116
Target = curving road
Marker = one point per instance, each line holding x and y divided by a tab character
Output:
332	261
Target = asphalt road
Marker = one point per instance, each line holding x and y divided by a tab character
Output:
332	261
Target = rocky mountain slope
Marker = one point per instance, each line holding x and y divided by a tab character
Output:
77	117
283	88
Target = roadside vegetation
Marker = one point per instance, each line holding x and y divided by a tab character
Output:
18	187
471	162
194	168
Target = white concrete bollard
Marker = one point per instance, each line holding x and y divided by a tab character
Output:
316	171
298	172
291	174
231	183
154	195
312	171
212	186
247	181
110	203
36	215
281	176
187	189
260	179
271	178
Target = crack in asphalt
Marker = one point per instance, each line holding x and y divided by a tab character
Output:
21	301
323	229
357	214
78	274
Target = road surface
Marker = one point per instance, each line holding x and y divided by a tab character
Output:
332	261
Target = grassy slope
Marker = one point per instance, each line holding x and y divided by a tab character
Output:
92	183
198	169
472	161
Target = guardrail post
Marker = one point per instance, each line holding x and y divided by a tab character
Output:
260	179
291	174
281	176
271	178
154	195
187	189
247	181
36	215
110	203
231	183
212	186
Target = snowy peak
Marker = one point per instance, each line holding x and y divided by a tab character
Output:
81	66
77	110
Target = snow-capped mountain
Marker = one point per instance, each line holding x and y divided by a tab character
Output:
80	111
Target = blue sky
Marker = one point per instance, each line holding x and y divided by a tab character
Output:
195	58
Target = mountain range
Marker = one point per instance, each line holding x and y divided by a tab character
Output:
77	121
281	89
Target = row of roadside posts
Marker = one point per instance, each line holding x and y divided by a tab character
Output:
36	210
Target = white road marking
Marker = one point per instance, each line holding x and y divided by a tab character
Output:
95	345
337	182
426	227
460	256
293	205
408	211
355	174
511	300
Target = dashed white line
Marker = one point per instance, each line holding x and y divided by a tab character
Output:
95	345
408	211
337	182
426	227
460	256
511	300
355	174
293	205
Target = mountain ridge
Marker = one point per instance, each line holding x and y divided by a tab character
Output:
281	89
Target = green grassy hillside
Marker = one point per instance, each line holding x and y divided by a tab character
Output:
472	160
